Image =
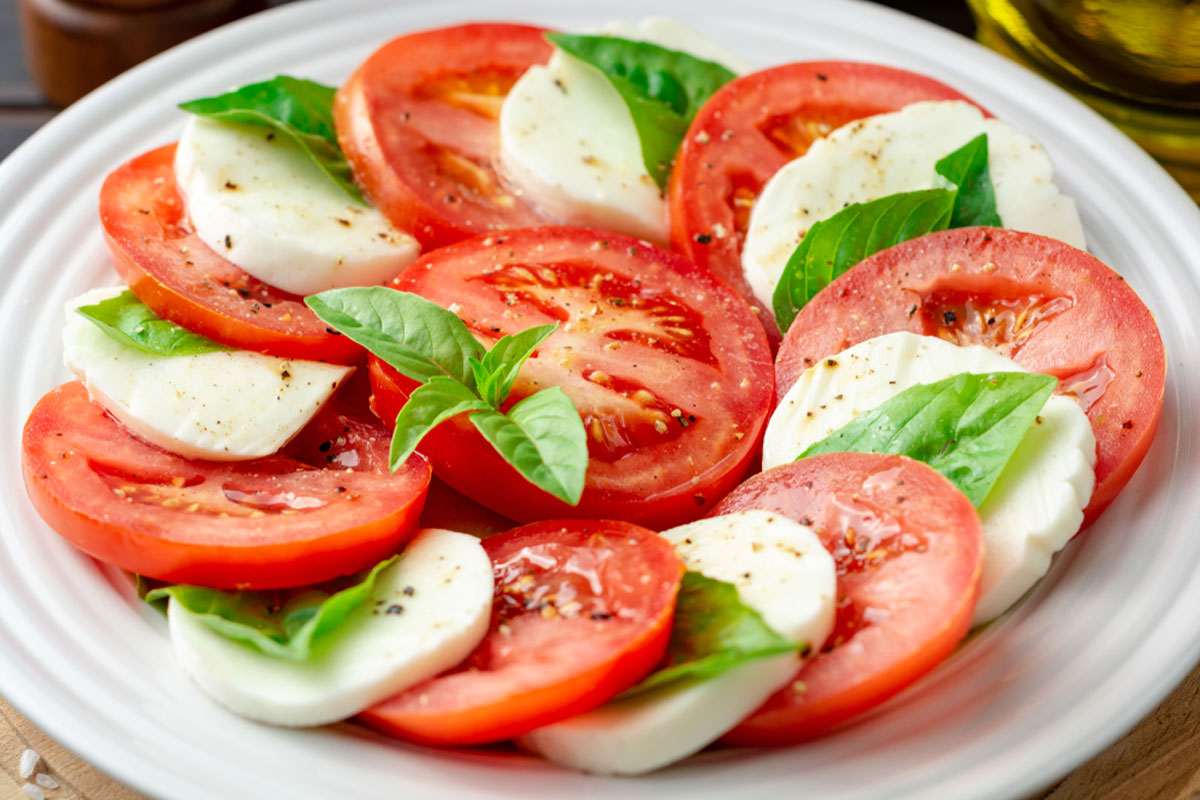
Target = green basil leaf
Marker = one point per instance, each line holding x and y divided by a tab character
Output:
833	245
966	170
284	624
663	89
428	406
504	360
298	108
131	322
419	338
966	426
543	438
713	632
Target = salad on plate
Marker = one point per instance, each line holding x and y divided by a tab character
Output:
594	392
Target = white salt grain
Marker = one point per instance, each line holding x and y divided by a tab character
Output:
29	760
33	792
45	780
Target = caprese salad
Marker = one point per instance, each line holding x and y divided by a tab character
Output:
596	392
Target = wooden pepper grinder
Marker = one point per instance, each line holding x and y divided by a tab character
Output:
73	46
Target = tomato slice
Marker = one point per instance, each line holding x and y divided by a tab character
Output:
582	611
324	506
182	279
753	126
1048	306
667	366
908	550
418	122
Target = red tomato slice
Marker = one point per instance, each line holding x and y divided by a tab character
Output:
908	550
324	506
182	279
1049	307
753	126
418	123
582	611
667	366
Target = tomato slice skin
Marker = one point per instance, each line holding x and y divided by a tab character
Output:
667	366
582	611
909	553
749	129
182	279
290	519
1055	309
418	124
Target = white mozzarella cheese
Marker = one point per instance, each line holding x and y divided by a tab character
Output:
1036	505
781	571
260	202
569	143
226	405
892	153
427	612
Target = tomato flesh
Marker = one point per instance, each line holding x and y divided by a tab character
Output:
666	365
418	122
1048	306
170	269
582	611
324	506
753	126
908	550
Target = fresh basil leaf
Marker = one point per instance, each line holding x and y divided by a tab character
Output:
419	338
504	360
663	89
543	438
966	171
833	245
131	322
713	632
284	624
428	406
966	426
298	108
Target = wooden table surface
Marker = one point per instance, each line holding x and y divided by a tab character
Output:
1157	760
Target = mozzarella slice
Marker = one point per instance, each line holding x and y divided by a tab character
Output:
1036	505
226	406
892	153
568	140
427	612
782	571
259	201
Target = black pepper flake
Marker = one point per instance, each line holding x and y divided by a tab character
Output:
270	137
244	292
991	320
949	317
231	186
822	77
285	374
901	498
806	522
831	362
339	489
228	241
703	238
1127	424
409	591
143	211
633	251
345	223
450	199
600	615
699	499
395	608
332	332
912	311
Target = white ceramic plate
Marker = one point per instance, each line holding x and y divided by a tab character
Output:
1092	649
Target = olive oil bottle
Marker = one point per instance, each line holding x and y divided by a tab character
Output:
1137	62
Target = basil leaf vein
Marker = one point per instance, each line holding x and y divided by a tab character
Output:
713	632
662	88
130	322
967	427
300	109
284	624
